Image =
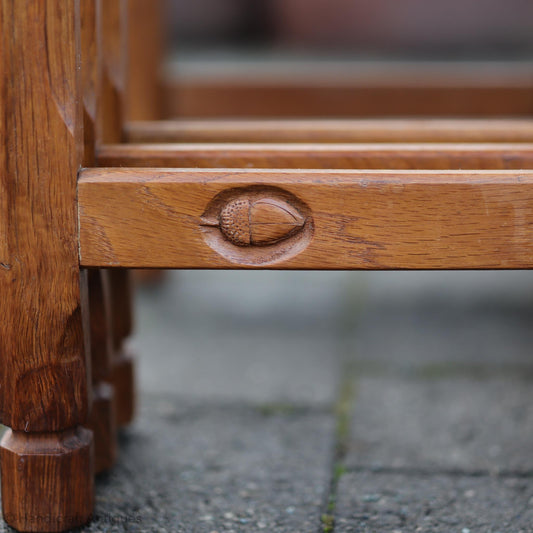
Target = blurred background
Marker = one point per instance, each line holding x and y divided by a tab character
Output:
324	58
338	58
429	29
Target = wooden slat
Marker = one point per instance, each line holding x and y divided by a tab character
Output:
145	45
357	219
204	88
113	46
486	156
331	131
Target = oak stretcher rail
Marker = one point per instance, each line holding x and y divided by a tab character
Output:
330	130
438	156
358	219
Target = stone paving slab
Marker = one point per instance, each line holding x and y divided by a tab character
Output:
241	336
449	287
201	468
482	336
402	503
453	423
264	366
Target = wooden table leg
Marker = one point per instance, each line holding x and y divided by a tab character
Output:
102	420
46	457
123	372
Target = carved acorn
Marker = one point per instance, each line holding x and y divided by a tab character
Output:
248	221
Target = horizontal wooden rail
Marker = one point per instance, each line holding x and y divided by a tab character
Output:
198	88
292	219
331	131
486	156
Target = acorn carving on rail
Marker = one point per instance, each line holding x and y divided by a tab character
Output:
257	225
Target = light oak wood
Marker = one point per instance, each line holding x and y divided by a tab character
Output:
483	156
330	131
359	219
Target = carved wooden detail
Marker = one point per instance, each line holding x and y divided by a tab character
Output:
257	225
259	222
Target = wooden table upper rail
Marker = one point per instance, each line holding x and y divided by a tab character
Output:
331	131
293	219
436	156
217	87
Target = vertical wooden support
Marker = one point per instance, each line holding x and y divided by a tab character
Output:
46	457
122	375
102	419
145	42
113	51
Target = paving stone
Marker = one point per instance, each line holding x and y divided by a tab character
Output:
215	335
452	423
199	468
477	337
191	468
452	287
402	503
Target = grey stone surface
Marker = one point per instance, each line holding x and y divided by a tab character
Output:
400	503
413	336
188	467
248	336
457	287
453	423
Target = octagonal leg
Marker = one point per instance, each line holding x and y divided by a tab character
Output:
47	479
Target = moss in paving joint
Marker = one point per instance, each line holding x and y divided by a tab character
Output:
343	409
328	523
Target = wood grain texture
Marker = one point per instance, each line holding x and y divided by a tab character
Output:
360	219
43	380
330	131
446	156
47	479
